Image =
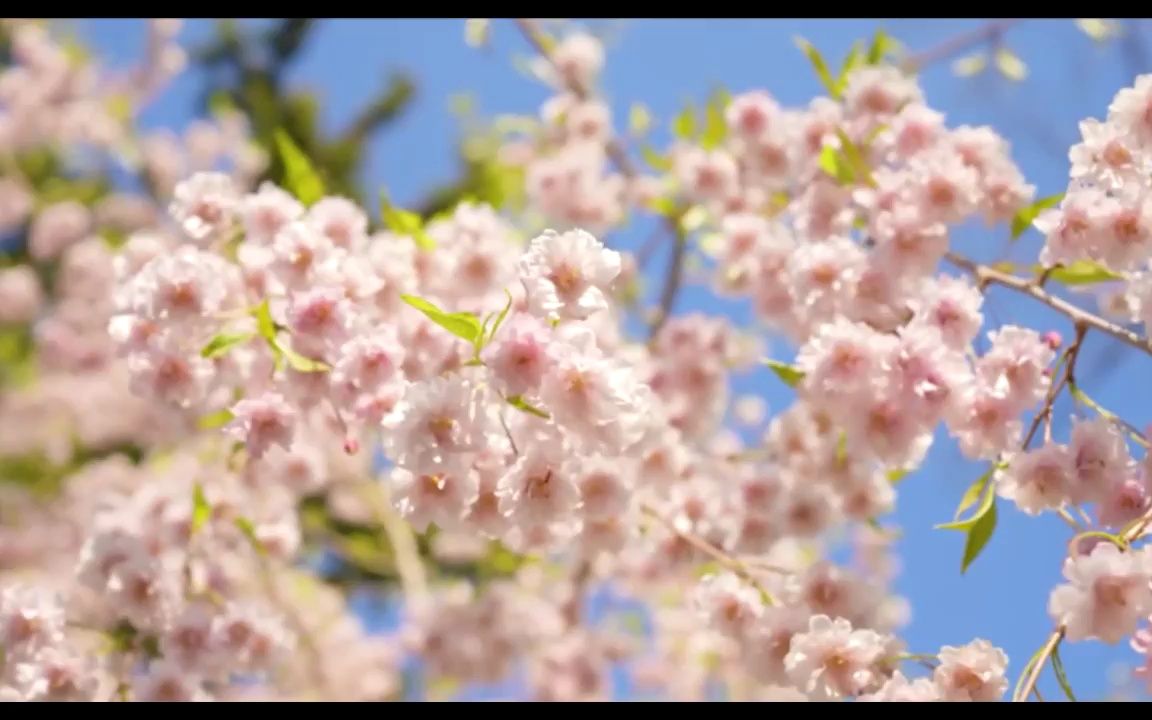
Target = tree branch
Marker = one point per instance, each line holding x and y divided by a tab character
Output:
1079	316
990	31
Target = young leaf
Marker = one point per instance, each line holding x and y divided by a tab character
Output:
1099	29
477	31
500	318
983	489
853	60
639	119
970	65
405	222
224	342
684	124
1025	216
519	403
715	127
978	536
264	324
301	178
856	160
655	160
973	494
820	66
1010	65
201	510
882	45
836	165
301	363
214	421
1080	272
246	528
462	325
790	375
895	476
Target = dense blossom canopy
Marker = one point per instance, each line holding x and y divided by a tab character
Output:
227	369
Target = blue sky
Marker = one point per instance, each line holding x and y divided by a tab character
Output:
665	62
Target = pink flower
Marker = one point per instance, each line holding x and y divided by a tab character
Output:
539	489
341	221
832	660
1039	479
262	422
568	275
1099	458
442	498
974	672
267	211
56	227
901	689
20	295
519	355
728	604
204	205
1106	595
951	305
752	115
1131	112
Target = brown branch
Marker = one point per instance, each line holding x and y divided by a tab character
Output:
991	32
1028	287
1037	666
1066	378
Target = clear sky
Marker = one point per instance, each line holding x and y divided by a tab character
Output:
662	63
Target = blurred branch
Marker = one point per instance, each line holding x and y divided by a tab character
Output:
991	32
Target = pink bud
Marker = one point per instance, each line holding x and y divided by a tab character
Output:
1053	339
351	445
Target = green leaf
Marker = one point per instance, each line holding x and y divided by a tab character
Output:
1061	676
1010	65
301	178
855	158
979	527
216	420
301	363
665	206
853	60
1099	29
983	491
715	127
462	325
500	318
477	31
519	403
223	343
1081	272
404	222
1025	216
655	160
639	119
836	165
820	66
895	476
248	530
882	45
789	374
201	510
978	536
264	323
970	65
684	124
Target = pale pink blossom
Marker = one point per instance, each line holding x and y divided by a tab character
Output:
1107	593
974	672
833	660
1038	479
262	422
204	205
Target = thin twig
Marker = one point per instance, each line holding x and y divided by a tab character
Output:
672	282
991	31
1028	287
1037	666
727	561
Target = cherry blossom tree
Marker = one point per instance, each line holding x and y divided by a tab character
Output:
211	379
